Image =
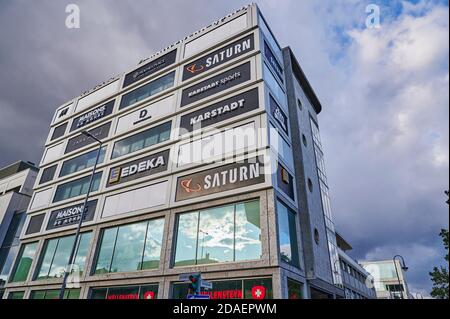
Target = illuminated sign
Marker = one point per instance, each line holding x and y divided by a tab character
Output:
146	166
82	140
93	115
221	111
273	61
279	115
219	57
150	68
71	215
228	177
216	84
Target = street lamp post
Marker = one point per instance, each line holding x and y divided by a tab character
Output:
68	269
404	268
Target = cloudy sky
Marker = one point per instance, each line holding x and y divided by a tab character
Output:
385	95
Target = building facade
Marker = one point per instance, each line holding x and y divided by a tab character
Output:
16	186
389	279
357	282
210	162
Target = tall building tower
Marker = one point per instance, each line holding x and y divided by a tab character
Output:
211	163
16	186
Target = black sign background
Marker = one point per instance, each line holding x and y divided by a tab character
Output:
82	140
276	109
200	65
108	110
162	168
53	222
273	61
150	68
197	180
251	103
242	70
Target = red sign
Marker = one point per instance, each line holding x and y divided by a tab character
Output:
149	295
258	292
123	297
224	294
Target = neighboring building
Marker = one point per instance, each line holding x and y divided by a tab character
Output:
211	163
16	185
389	279
358	283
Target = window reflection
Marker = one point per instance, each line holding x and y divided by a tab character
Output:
217	235
288	235
131	247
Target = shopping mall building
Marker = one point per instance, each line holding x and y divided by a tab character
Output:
211	162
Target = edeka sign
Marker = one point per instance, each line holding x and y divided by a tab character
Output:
216	84
219	57
82	140
232	176
218	112
142	167
273	61
93	115
279	115
71	215
150	68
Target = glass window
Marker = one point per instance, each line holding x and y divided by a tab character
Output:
56	254
48	174
81	162
258	288
142	140
54	294
124	293
24	261
131	247
220	234
59	131
270	38
275	87
16	295
295	289
77	187
10	246
288	235
147	90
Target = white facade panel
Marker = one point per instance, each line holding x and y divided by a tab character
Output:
233	140
97	96
137	199
146	114
53	153
215	36
41	199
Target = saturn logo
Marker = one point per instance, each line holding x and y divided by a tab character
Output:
193	68
186	184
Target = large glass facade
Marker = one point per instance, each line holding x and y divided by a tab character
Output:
142	140
77	187
56	253
125	293
258	288
148	90
10	246
24	260
287	231
81	162
218	235
130	247
326	204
